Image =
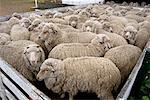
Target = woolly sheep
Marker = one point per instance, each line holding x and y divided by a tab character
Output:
129	34
26	59
19	33
93	26
17	15
145	24
124	57
5	27
72	20
116	40
83	16
25	22
142	38
136	17
55	20
4	37
88	74
34	24
52	35
97	48
48	14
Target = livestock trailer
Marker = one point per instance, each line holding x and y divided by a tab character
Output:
14	86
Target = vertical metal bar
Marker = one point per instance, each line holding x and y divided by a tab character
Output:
36	3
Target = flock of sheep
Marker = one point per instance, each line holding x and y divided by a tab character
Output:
92	49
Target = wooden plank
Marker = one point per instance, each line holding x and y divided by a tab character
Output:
22	82
13	88
125	91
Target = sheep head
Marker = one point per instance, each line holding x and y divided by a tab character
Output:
33	56
48	14
49	32
17	15
73	21
13	20
84	14
51	72
107	27
102	40
129	34
25	22
34	24
58	15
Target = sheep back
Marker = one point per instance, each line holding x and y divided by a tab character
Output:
4	37
125	58
19	33
66	50
99	75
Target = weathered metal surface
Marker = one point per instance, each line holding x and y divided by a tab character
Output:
125	91
81	2
26	86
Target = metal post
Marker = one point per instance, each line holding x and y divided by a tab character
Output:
36	3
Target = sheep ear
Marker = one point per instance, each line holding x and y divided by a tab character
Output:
43	55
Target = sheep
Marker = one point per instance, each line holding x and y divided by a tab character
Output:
72	20
48	14
34	24
53	35
129	34
4	37
58	15
55	20
19	33
124	57
116	40
145	24
136	17
5	27
83	16
90	74
34	16
97	48
26	59
142	38
17	15
93	26
25	22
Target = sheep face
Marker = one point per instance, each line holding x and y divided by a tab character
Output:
49	31
129	34
102	40
50	70
73	21
48	14
84	14
88	26
107	27
16	15
34	56
25	22
34	24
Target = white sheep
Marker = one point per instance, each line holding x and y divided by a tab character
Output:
142	38
125	57
85	74
19	33
25	22
4	37
116	40
97	48
6	26
93	26
53	35
34	24
136	17
83	16
72	20
25	59
129	34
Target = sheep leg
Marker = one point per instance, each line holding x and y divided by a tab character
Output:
70	96
106	96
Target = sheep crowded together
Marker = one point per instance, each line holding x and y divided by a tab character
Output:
92	49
